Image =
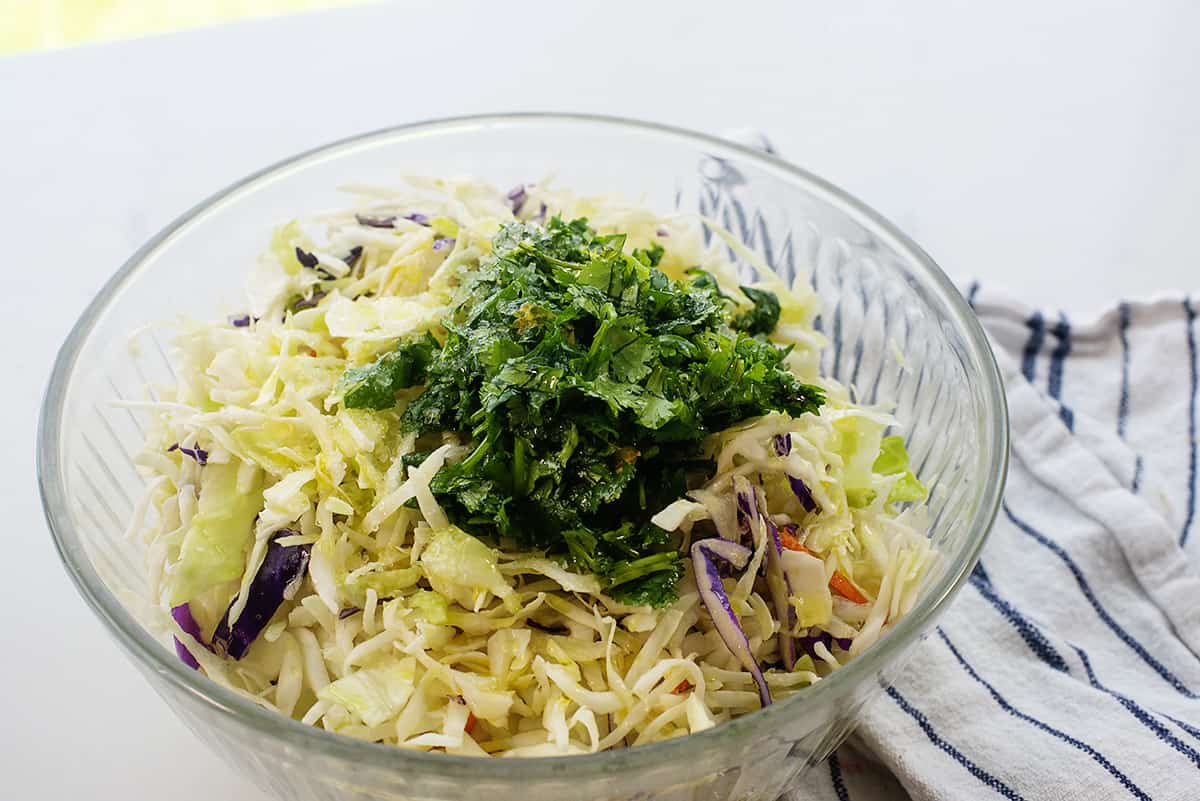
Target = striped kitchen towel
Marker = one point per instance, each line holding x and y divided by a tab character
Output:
1069	667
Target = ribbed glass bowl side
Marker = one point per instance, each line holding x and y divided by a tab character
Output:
898	334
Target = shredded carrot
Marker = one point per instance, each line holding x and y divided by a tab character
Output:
682	687
471	721
838	582
789	541
845	588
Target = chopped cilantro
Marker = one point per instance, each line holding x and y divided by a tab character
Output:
761	319
586	380
374	385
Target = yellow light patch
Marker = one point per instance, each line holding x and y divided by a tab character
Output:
44	24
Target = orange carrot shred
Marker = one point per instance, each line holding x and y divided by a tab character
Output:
682	687
838	582
471	721
789	541
845	588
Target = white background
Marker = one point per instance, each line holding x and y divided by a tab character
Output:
1050	147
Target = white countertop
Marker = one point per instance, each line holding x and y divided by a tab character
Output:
1052	148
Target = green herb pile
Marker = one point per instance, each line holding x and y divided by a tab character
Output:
586	381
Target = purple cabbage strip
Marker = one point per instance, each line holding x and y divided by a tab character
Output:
375	222
348	612
183	616
736	555
442	242
750	508
750	505
418	218
351	258
516	198
783	446
747	513
662	232
803	493
712	593
541	215
197	453
307	259
744	505
278	578
809	642
309	302
781	591
240	322
744	512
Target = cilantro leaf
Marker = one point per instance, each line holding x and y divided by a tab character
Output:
622	346
652	580
374	385
761	319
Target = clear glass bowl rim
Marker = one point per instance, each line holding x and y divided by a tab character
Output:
151	654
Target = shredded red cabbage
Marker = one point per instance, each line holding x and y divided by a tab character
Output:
418	218
809	642
783	446
197	453
751	508
349	611
745	510
311	261
442	242
803	493
716	601
282	570
306	258
781	591
733	553
351	258
310	302
183	616
747	513
240	322
516	198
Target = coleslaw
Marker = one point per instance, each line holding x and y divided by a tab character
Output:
307	547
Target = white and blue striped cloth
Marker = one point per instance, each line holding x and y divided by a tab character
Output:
1069	667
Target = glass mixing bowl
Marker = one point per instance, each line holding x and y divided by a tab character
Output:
880	294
